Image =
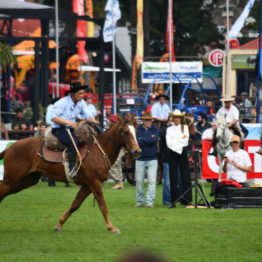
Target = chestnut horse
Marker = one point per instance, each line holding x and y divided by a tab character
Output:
23	167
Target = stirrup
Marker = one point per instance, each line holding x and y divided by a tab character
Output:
73	173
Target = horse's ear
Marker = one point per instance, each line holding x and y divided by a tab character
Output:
120	118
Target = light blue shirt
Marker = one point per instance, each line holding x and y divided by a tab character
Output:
67	109
48	114
161	111
92	109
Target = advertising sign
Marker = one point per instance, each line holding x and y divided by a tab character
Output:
216	57
182	72
244	61
252	143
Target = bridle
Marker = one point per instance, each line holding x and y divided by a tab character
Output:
190	119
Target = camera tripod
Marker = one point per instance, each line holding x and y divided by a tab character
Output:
195	184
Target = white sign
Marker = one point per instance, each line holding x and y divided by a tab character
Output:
3	145
182	72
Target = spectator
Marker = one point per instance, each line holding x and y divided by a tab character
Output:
237	162
19	122
40	132
208	133
28	112
4	131
92	109
152	101
164	152
177	137
201	125
115	172
210	110
16	103
160	109
245	108
147	137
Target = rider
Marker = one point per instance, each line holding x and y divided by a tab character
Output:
231	114
64	114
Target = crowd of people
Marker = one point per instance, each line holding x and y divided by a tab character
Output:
162	133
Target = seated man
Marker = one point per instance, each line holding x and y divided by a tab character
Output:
237	162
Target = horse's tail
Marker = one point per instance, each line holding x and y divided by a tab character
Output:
2	155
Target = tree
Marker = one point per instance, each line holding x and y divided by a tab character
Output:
6	55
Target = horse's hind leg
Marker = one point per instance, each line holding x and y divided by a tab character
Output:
82	194
11	187
97	191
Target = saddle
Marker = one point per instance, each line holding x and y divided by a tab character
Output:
53	151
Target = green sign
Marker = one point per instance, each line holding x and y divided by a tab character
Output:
244	61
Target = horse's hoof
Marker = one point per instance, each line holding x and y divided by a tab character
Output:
56	229
116	231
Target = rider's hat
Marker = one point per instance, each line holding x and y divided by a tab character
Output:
235	138
177	113
161	95
76	86
227	98
146	116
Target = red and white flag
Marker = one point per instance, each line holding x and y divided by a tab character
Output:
170	47
78	8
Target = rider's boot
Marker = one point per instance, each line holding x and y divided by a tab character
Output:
72	163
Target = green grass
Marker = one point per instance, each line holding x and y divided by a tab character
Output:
27	220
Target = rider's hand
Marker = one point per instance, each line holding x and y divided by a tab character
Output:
71	124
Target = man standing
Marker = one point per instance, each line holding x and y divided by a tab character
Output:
160	110
147	137
64	115
237	162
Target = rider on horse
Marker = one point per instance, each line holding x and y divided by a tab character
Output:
64	114
231	115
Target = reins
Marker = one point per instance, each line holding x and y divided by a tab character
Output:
102	151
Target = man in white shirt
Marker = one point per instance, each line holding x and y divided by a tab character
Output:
228	111
237	162
160	110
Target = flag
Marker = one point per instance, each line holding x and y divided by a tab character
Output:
113	14
237	26
140	34
170	31
89	12
78	8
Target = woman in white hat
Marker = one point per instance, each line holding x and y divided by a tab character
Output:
177	137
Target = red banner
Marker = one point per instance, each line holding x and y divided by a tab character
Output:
210	164
78	8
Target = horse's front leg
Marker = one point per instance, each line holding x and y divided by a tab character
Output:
96	189
80	197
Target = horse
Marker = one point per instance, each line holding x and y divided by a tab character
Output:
188	120
23	167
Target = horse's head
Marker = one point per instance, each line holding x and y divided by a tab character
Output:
221	127
189	121
127	137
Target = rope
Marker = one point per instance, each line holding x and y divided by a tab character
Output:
101	149
77	151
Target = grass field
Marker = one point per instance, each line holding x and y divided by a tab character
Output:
27	220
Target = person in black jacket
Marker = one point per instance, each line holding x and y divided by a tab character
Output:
147	137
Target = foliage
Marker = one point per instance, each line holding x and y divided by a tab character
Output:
6	55
27	220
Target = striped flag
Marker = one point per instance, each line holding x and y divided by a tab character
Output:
113	14
237	26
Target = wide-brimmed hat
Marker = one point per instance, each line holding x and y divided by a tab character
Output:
161	95
235	138
76	86
146	116
177	113
227	99
113	118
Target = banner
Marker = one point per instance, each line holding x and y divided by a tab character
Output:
140	34
237	26
113	14
3	145
182	72
252	143
170	31
89	12
78	8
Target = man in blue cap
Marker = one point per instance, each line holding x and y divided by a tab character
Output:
64	115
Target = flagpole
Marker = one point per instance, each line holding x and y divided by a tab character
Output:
227	50
57	47
170	10
259	66
114	61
